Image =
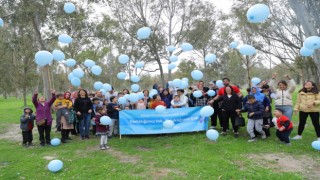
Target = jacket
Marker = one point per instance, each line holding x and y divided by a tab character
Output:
257	108
82	105
284	121
27	123
100	127
230	104
112	112
43	111
283	97
306	98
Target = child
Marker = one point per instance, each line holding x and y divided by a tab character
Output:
95	104
255	117
284	126
62	105
101	130
113	109
26	125
175	102
140	104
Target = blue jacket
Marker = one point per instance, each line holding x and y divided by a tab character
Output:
257	108
27	122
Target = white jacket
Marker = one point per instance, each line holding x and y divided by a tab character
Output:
283	97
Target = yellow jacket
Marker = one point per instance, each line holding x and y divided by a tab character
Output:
59	102
307	98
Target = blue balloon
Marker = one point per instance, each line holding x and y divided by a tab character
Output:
75	82
133	97
197	94
103	91
144	33
173	58
171	48
70	76
89	63
219	84
121	75
185	79
43	58
78	72
69	7
176	82
206	111
96	70
135	79
306	52
122	100
55	165
141	95
58	55
107	87
161	109
184	84
105	120
168	124
255	80
123	59
139	64
55	142
152	93
196	74
70	62
247	50
212	134
211	93
135	87
170	83
210	58
312	42
98	85
172	66
65	39
186	47
1	22
233	45
126	96
258	13
316	145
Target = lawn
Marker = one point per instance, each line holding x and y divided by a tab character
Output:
170	156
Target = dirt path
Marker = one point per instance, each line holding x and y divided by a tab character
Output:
12	133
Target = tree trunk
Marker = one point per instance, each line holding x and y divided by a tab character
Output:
248	71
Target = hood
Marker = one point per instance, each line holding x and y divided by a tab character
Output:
258	95
24	110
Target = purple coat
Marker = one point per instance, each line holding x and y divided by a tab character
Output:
43	111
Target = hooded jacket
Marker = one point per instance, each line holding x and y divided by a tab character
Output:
27	121
306	98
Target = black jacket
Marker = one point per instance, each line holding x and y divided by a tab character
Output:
232	103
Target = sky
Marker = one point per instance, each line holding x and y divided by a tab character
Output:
223	5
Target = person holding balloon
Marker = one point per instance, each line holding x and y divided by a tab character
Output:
101	129
283	93
113	109
308	104
43	116
83	108
215	105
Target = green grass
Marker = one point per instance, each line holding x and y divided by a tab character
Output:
172	156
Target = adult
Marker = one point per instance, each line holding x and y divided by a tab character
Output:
43	116
308	104
146	98
183	98
283	93
166	97
215	105
111	93
226	83
202	100
100	97
83	108
157	101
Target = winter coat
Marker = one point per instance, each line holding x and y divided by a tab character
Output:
112	112
306	98
283	121
283	97
99	127
27	123
257	108
230	104
82	105
43	111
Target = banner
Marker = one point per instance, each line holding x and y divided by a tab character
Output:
151	122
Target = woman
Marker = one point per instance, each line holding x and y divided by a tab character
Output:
146	98
308	104
166	97
157	101
43	116
283	93
231	103
83	109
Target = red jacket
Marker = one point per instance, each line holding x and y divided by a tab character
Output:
285	122
157	103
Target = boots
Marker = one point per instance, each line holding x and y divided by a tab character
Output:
63	136
67	134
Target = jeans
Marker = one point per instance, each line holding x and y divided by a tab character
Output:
44	134
284	135
303	119
287	110
84	125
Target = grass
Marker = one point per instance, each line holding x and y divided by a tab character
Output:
172	156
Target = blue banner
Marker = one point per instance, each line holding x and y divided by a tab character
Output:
151	122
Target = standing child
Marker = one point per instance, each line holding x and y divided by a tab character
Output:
255	111
26	125
101	130
284	126
113	109
95	104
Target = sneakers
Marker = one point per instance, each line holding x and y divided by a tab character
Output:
212	127
263	136
236	135
252	140
102	147
223	133
106	146
297	137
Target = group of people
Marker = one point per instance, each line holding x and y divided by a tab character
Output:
79	111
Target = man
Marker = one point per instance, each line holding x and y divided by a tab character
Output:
111	93
226	82
200	101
